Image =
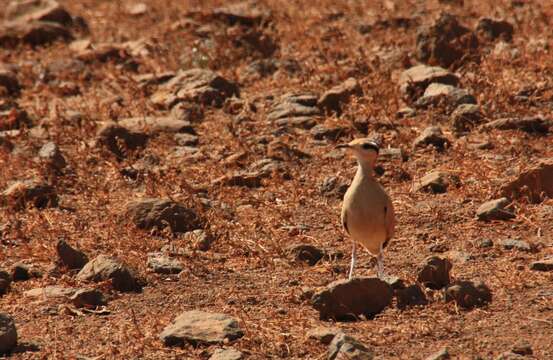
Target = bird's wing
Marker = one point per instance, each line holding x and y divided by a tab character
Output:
345	219
390	219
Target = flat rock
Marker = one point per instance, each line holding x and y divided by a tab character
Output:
513	244
349	299
466	117
201	328
447	95
8	334
195	85
321	132
52	156
154	125
118	139
414	81
494	210
435	182
306	253
226	354
51	292
434	272
88	298
532	184
159	213
333	99
531	124
322	334
295	110
542	265
5	281
442	354
468	294
162	264
103	268
346	347
32	192
70	257
410	296
432	135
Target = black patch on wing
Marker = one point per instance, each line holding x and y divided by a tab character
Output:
345	222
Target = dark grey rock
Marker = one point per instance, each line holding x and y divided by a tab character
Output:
159	213
542	265
410	296
468	294
8	334
70	257
5	281
444	95
306	253
104	268
414	81
521	245
434	272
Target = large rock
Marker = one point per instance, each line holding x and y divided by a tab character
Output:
195	85
119	139
201	328
434	272
432	135
445	43
494	210
414	81
468	294
531	124
159	213
333	99
350	299
31	192
346	347
103	268
8	334
153	125
70	257
295	110
532	184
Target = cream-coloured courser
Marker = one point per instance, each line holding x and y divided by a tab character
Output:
367	212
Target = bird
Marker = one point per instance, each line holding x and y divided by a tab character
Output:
367	211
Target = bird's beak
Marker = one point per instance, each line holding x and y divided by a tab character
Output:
342	146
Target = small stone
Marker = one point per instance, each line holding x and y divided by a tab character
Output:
542	265
459	257
118	139
465	118
434	182
295	110
349	299
226	354
406	112
414	81
389	154
450	96
533	184
468	294
163	264
186	139
410	296
442	354
522	348
137	9
21	272
395	282
431	136
509	355
333	99
70	257
29	192
5	281
104	268
434	272
321	132
306	253
8	334
154	125
346	347
201	328
494	210
159	213
324	335
484	243
509	244
533	124
493	29
88	298
334	187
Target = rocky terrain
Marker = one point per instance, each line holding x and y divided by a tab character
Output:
170	186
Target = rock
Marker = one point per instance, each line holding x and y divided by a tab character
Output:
8	81
510	244
102	52
306	253
186	139
51	155
435	182
23	272
346	347
542	265
226	354
333	99
431	136
414	81
467	294
195	85
261	68
410	296
295	110
119	139
137	9
159	213
321	132
389	154
444	43
50	292
103	268
349	299
153	125
484	243
447	95
34	33
6	145
88	298
70	257
494	210
532	184
324	335
493	29
201	328
8	334
5	281
279	150
434	272
532	124
246	13
465	118
459	257
334	187
395	282
442	354
37	10
247	179
200	239
32	192
163	264
522	347
406	112
509	355
13	117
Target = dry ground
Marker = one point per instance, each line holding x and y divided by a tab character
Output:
246	273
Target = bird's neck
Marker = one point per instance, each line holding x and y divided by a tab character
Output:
365	169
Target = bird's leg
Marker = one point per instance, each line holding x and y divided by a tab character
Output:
353	251
380	264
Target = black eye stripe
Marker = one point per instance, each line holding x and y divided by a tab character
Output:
368	146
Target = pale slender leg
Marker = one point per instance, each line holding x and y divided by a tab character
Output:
380	264
353	251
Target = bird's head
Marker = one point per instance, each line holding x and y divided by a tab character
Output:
365	149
